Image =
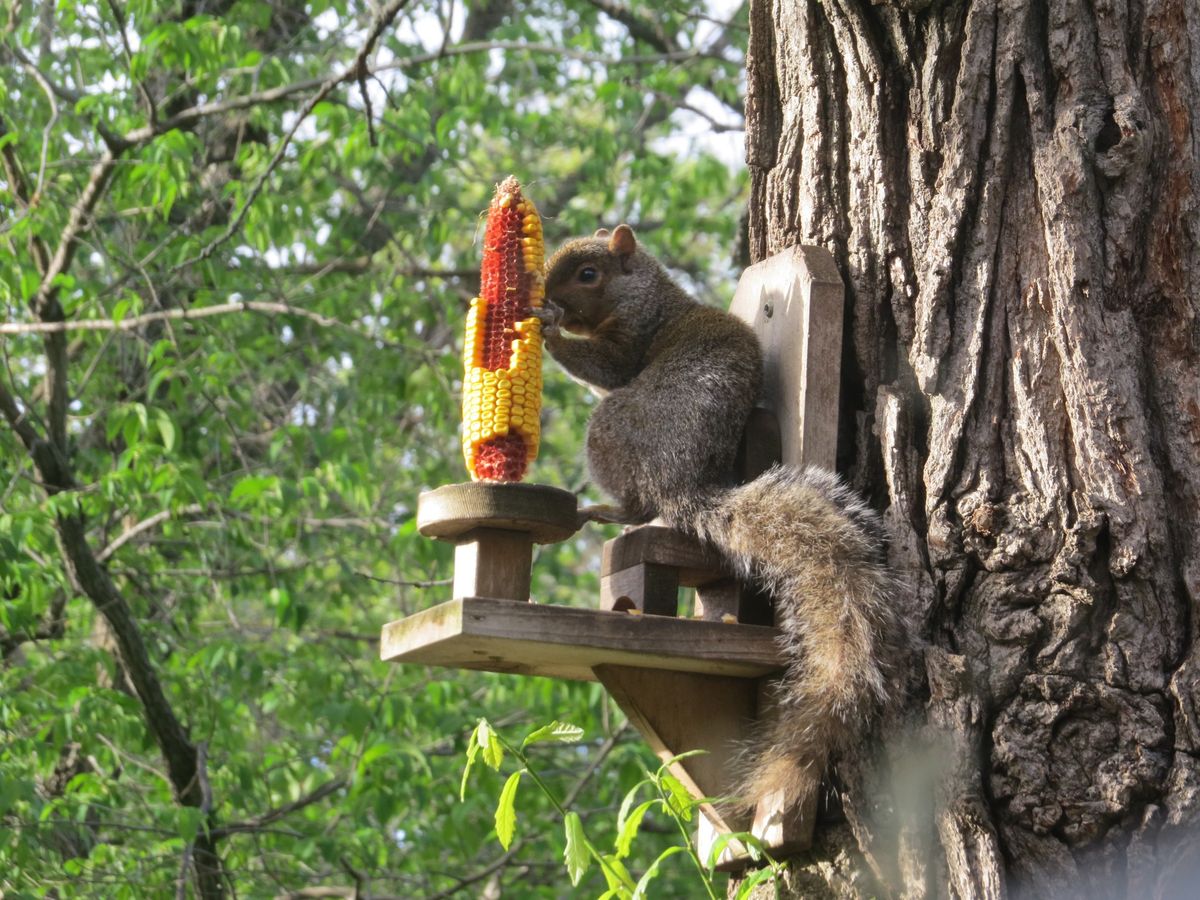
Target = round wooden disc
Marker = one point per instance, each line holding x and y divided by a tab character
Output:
547	513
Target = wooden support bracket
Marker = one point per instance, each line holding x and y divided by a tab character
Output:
686	683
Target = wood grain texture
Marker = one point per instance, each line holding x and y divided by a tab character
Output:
793	301
548	514
697	564
492	562
564	642
1012	192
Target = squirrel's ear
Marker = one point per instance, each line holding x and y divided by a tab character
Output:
601	232
622	242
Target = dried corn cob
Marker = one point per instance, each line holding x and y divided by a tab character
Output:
502	354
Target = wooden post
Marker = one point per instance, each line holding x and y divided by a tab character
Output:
494	526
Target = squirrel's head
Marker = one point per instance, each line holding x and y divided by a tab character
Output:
586	276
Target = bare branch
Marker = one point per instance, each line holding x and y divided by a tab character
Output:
353	72
714	124
47	129
641	28
45	302
15	177
191	115
258	823
111	139
202	312
119	18
548	50
17	420
413	584
145	525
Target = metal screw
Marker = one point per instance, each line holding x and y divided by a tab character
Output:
768	309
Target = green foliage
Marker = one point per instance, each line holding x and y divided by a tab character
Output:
267	378
670	800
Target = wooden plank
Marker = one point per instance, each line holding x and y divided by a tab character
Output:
656	545
793	300
564	642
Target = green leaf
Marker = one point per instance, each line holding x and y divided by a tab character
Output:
576	853
629	828
652	872
253	487
506	814
628	801
556	731
620	883
472	753
167	429
187	821
493	750
680	803
750	882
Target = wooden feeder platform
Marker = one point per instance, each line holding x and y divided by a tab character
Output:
686	683
565	642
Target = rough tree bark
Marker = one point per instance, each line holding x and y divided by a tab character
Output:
1011	190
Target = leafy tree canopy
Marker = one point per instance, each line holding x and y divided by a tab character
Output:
237	243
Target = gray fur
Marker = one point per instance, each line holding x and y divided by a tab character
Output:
682	379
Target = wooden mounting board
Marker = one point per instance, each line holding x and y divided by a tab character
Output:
793	301
565	642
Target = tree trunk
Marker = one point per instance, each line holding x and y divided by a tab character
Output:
1010	188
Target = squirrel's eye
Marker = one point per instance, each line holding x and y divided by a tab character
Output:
587	275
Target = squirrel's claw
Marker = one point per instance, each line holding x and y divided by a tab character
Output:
550	316
604	514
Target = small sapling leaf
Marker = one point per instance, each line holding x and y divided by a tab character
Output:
652	872
629	828
616	876
506	813
489	741
627	803
678	797
749	883
576	853
472	752
562	732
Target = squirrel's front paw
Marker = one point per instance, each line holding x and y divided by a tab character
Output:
550	316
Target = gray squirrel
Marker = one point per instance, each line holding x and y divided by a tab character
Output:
678	381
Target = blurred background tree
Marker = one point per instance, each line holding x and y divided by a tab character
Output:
238	241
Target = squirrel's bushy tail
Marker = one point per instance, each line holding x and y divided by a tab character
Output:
818	551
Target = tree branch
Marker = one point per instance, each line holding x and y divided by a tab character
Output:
145	525
643	29
258	823
202	312
357	69
110	138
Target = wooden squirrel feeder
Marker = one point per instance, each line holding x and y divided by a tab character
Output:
686	683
